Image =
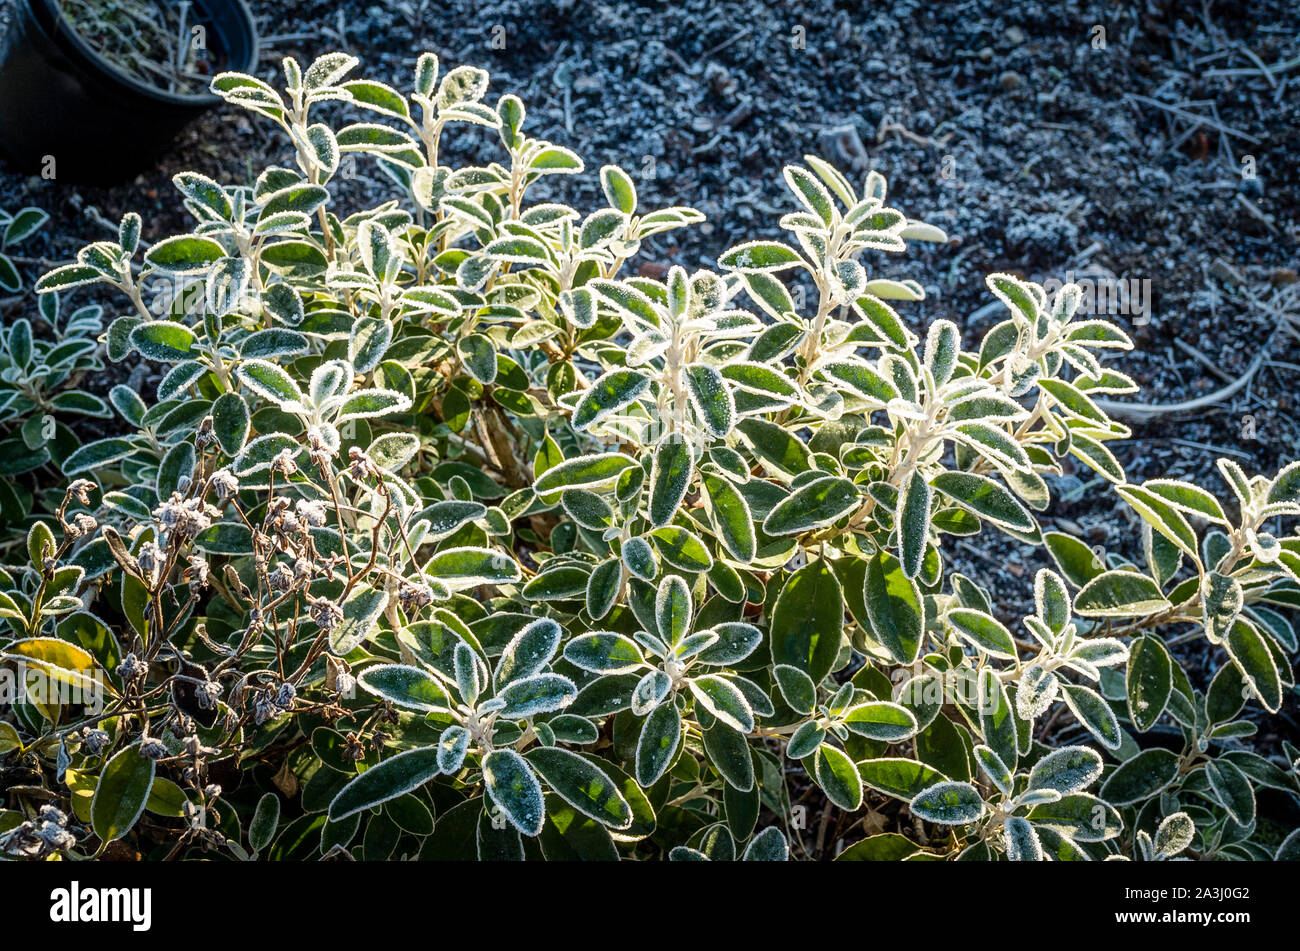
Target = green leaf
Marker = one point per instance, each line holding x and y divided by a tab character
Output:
807	624
881	720
231	422
479	356
204	192
810	192
949	803
1187	497
513	787
461	568
796	688
537	694
768	846
556	159
262	451
121	793
1226	694
1076	560
710	398
1080	817
1066	770
67	277
661	734
777	449
452	747
1096	456
731	518
813	505
1119	594
838	777
724	700
993	767
271	383
410	814
997	721
1141	777
24	223
365	404
361	613
266	817
898	777
407	687
529	651
1162	517
1232	788
682	549
583	472
184	254
1021	840
985	632
378	97
736	641
1174	834
760	256
862	378
1223	599
603	587
20	342
674	611
728	752
985	498
604	652
894	608
670	477
761	380
610	393
394	777
164	340
558	583
266	344
96	455
805	740
582	785
993	443
165	799
1253	658
913	521
1149	681
1094	713
619	190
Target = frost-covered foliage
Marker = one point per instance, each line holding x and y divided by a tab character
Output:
440	534
43	360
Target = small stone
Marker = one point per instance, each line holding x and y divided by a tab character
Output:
986	54
1010	80
1283	275
1015	35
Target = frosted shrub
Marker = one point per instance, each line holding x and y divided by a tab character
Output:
443	534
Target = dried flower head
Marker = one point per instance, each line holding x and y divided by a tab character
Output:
132	667
152	748
224	484
80	490
326	613
362	467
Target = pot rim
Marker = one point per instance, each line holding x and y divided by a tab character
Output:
64	30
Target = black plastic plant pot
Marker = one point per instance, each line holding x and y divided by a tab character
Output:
70	114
